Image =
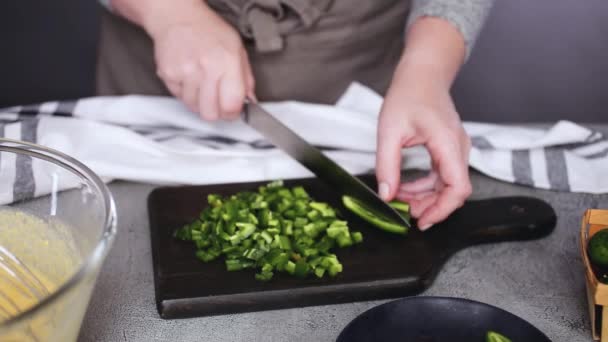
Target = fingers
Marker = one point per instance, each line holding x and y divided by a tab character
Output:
217	97
412	196
171	79
388	159
175	88
419	206
249	79
204	63
232	91
419	202
214	92
420	185
208	100
190	92
450	199
452	169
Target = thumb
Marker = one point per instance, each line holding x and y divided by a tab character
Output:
388	161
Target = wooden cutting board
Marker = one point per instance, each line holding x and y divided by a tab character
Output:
383	266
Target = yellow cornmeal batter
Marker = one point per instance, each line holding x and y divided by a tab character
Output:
48	250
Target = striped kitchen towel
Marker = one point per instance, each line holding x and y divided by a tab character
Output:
157	140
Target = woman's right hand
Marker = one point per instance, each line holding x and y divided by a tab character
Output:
202	61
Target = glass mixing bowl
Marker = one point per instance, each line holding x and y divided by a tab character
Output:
59	220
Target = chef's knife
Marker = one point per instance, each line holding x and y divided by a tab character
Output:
315	161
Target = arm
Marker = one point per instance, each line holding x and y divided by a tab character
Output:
434	48
418	110
153	15
466	16
199	57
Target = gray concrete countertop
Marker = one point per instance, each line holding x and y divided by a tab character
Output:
541	281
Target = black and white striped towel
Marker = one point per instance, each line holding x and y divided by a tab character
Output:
156	139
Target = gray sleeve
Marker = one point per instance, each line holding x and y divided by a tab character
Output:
106	4
467	16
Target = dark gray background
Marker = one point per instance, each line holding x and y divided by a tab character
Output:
540	60
48	50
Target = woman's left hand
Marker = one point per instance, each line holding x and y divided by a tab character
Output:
418	110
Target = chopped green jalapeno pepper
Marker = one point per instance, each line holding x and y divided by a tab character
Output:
400	206
371	216
276	229
493	336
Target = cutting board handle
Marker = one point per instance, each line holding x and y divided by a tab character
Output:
494	220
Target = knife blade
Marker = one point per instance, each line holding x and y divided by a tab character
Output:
314	160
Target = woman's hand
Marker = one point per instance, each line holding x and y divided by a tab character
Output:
203	62
422	113
198	55
418	110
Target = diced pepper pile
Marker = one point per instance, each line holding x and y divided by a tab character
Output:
276	229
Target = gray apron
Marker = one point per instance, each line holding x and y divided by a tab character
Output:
305	50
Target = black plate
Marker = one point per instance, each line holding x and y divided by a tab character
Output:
383	266
437	319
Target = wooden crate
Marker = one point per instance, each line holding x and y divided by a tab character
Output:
597	293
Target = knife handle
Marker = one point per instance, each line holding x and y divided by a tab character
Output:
494	220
